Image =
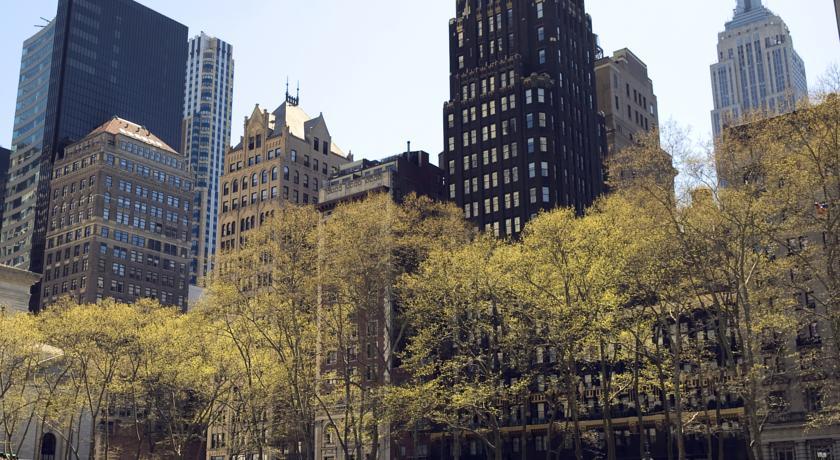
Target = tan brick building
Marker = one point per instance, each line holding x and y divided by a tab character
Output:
284	157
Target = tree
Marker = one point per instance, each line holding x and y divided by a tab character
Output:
97	341
361	317
726	264
21	354
182	374
801	158
458	355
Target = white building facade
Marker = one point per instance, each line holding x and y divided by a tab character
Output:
758	70
208	104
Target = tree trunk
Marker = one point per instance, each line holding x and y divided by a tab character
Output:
606	404
572	396
666	403
456	446
676	347
524	438
497	440
719	420
640	418
92	447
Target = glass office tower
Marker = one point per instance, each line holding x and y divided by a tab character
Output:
20	196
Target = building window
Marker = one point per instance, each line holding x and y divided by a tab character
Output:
813	400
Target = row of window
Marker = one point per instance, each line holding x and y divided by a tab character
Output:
152	154
264	196
487	85
293	157
146	243
146	193
511	201
71	189
263	178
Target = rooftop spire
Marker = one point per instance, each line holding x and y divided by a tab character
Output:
745	6
289	99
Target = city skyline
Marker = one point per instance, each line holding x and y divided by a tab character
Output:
342	82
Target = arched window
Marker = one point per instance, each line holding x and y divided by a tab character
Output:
48	443
235	186
286	172
245	183
264	178
226	189
293	155
254	182
297	177
274	173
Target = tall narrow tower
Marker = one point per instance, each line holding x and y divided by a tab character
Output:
20	193
758	70
522	128
207	124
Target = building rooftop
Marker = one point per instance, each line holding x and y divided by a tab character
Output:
299	123
117	125
747	12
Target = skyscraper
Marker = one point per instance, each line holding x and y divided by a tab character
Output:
109	57
522	129
20	197
758	70
5	157
207	118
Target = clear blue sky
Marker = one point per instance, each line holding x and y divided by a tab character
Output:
378	69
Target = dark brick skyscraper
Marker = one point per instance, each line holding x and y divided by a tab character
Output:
522	129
